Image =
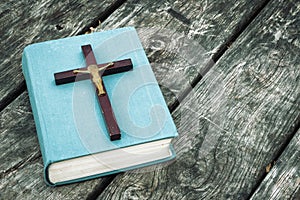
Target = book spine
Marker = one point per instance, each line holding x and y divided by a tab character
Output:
26	67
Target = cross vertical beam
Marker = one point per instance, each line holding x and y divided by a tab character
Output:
106	109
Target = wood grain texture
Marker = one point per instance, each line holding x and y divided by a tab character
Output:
235	121
181	18
22	23
41	20
21	167
24	184
18	136
26	22
181	37
283	181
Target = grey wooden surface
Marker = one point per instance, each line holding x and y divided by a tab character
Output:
23	136
239	115
235	122
22	23
26	22
283	181
21	164
184	38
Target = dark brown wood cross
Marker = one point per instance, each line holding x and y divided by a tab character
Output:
95	72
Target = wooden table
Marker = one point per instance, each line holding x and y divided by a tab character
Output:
229	71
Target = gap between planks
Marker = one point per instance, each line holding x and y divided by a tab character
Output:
100	18
294	130
20	89
216	56
224	47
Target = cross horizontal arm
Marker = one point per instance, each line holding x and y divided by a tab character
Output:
69	76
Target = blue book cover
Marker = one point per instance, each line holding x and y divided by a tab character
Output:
69	122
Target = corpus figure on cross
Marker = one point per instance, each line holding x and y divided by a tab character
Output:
96	77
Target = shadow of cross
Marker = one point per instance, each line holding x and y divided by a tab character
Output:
95	72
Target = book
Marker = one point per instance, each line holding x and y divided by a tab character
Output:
72	133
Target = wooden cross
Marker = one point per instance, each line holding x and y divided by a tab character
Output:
95	72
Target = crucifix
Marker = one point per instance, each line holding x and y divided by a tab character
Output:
95	72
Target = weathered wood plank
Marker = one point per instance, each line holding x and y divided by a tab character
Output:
24	184
22	23
235	121
283	181
21	164
18	136
26	22
181	37
242	10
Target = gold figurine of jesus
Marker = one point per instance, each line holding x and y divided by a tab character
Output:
96	77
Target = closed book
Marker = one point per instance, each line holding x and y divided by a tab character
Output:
71	129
